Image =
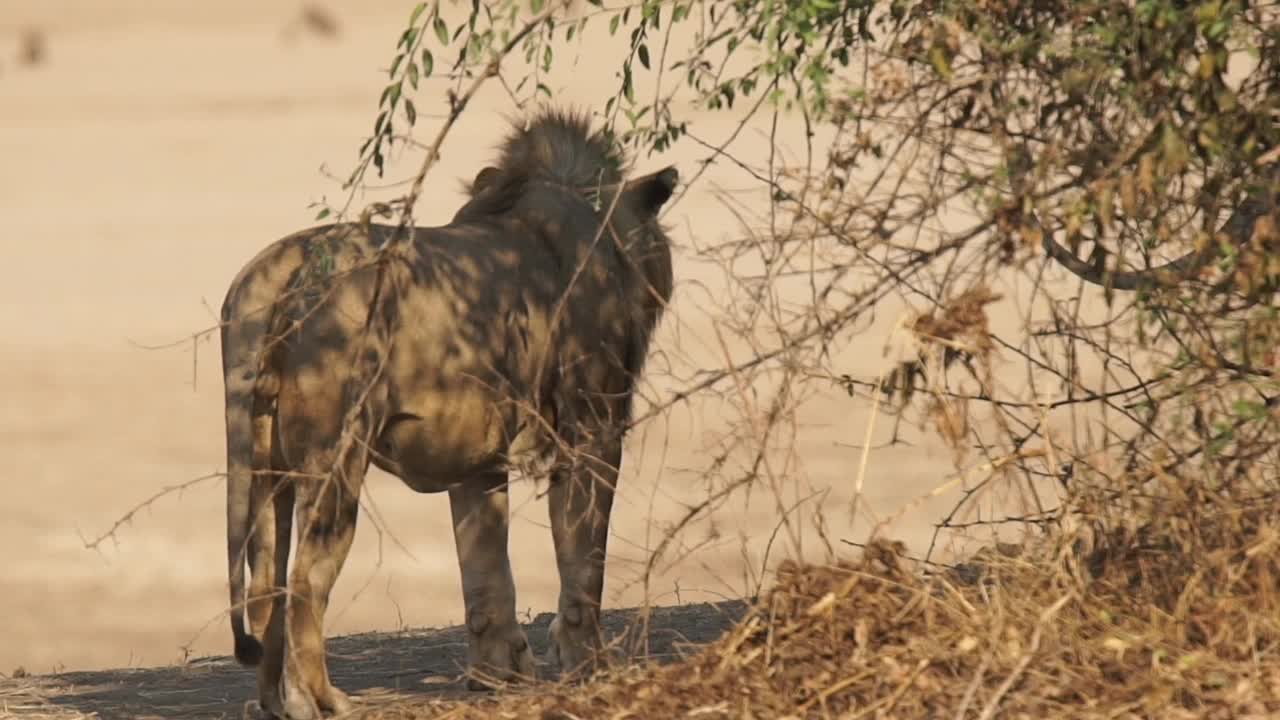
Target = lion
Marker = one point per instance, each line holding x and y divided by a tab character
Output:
518	330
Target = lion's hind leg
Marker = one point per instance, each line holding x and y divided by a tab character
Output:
327	509
271	517
580	501
496	646
273	500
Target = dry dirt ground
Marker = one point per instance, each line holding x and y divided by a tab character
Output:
148	153
372	666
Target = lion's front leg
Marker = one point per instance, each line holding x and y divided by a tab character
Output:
581	500
496	646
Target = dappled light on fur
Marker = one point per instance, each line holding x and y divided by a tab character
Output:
515	334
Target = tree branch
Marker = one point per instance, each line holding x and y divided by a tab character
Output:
1239	227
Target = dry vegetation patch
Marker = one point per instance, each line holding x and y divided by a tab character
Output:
1173	616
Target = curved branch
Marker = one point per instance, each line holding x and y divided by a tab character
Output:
1238	227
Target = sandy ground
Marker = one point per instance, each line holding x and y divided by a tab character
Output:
152	153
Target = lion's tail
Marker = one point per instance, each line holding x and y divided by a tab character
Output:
239	377
248	649
247	314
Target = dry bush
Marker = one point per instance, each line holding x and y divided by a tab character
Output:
1172	617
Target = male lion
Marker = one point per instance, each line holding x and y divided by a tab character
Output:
517	330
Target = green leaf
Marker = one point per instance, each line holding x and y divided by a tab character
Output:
413	74
941	63
428	62
393	94
442	30
546	58
322	214
536	6
417	11
1218	29
644	55
613	24
410	112
475	48
1250	410
542	88
395	65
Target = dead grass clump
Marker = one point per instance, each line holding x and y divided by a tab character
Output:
1173	616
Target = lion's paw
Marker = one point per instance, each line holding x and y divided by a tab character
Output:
498	657
577	649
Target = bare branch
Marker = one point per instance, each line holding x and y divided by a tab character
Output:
1239	227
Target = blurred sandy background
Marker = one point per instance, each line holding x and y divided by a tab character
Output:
154	149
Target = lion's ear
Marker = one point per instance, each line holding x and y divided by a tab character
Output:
484	179
653	191
668	177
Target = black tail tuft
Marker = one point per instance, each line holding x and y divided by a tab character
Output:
248	650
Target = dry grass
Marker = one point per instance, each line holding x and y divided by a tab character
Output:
1174	616
27	700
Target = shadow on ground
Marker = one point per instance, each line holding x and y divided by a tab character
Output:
371	665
